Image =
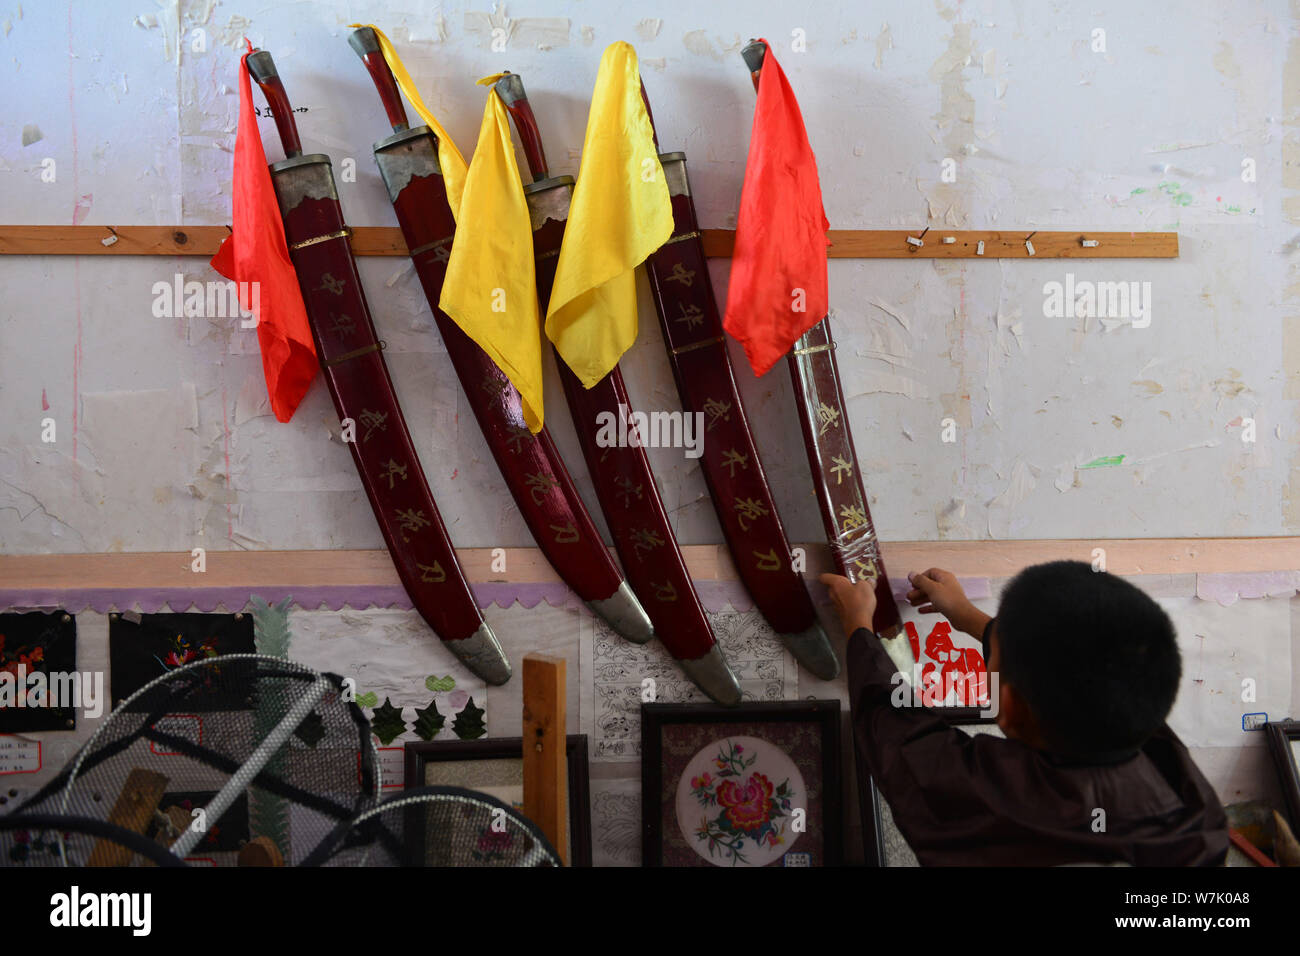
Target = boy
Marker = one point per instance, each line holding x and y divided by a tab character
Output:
1087	669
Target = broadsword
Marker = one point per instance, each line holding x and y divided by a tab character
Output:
531	464
824	417
353	366
624	483
697	351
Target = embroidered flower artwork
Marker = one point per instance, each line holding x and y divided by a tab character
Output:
737	801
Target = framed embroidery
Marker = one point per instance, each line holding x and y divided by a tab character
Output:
144	647
495	766
40	688
754	785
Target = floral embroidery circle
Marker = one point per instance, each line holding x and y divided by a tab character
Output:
736	802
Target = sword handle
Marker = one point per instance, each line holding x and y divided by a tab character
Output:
366	45
753	54
511	90
262	69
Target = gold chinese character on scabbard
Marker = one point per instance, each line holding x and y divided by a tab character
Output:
841	468
371	421
681	274
748	509
540	485
412	520
731	458
432	573
829	417
852	516
518	435
644	539
626	489
691	315
664	592
716	411
393	470
565	533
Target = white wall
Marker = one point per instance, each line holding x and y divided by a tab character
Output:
1046	133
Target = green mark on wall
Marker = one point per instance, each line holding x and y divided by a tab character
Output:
1175	192
1105	462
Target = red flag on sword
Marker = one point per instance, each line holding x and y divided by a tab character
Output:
256	257
778	269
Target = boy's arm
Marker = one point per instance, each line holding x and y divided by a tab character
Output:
935	777
926	769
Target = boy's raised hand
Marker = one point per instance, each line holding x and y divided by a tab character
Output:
937	591
855	603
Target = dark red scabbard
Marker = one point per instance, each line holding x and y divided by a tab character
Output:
352	361
697	351
832	459
624	483
531	464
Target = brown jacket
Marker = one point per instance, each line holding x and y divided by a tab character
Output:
986	801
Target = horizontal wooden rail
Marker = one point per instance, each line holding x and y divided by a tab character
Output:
718	243
968	559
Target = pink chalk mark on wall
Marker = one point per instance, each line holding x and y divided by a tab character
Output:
45	402
82	208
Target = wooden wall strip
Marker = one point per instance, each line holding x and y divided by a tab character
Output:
974	559
718	243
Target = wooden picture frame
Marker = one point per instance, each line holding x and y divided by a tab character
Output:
420	756
873	826
1284	744
803	742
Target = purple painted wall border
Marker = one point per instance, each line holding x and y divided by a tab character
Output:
1225	588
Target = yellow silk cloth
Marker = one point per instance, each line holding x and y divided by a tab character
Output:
490	290
620	214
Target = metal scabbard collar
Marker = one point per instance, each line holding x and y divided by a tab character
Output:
674	166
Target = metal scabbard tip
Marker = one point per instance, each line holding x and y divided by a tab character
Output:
812	648
482	653
625	614
261	66
713	676
753	52
364	41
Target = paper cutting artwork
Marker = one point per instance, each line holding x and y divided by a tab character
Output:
950	674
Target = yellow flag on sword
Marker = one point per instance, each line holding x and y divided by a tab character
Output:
449	157
490	289
619	215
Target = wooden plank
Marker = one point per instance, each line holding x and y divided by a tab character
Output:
893	244
718	243
133	810
546	774
359	569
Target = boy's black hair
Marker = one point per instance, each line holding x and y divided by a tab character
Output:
1095	658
